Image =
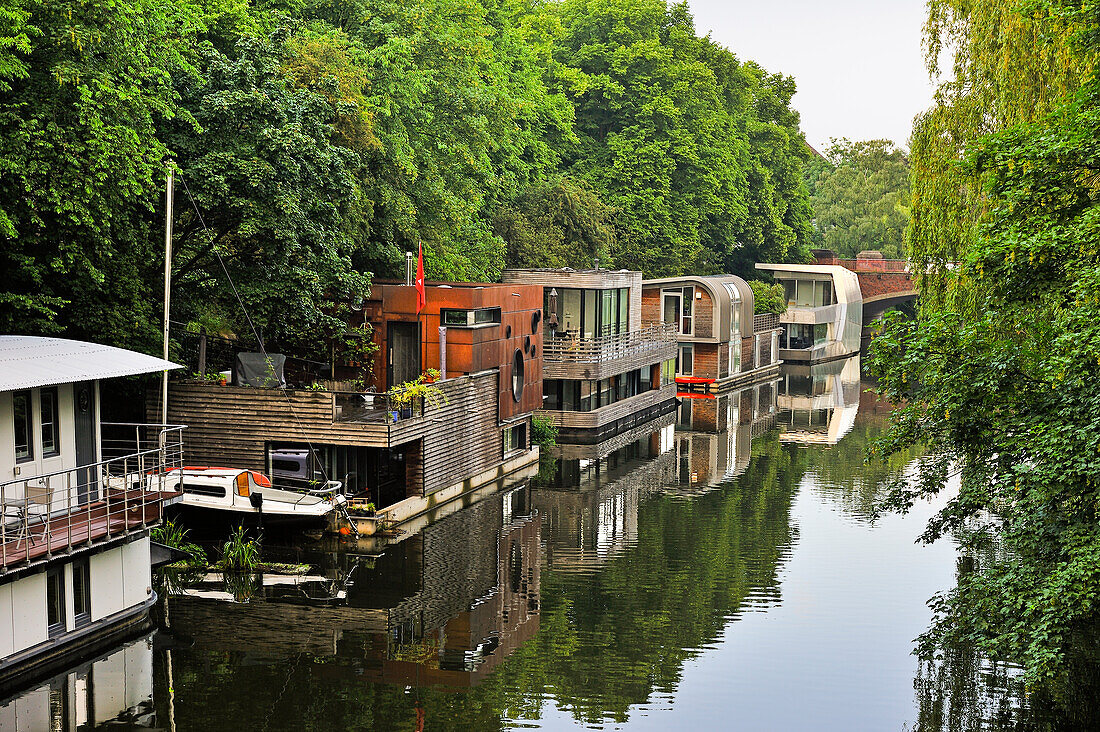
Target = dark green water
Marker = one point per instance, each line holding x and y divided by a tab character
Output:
690	581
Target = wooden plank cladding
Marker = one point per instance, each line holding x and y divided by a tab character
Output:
232	426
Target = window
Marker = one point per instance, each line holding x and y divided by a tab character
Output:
686	319
456	317
486	315
676	308
687	353
21	403
204	489
82	594
467	318
517	375
515	438
55	601
668	372
51	439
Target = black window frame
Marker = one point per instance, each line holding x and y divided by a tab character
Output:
56	602
82	593
54	425
28	424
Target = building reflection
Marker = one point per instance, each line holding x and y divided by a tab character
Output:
112	691
589	499
715	433
818	403
443	607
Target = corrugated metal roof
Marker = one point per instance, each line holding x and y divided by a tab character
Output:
27	362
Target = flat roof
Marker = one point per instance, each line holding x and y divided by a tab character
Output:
27	362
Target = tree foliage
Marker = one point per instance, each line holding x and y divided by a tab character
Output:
860	198
1003	385
316	141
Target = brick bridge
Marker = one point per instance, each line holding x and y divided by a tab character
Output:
883	282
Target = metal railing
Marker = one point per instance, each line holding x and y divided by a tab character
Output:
766	321
573	349
362	407
58	511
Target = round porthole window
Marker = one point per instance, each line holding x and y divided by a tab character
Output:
517	375
535	318
527	343
507	331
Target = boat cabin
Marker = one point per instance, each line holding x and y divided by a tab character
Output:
77	500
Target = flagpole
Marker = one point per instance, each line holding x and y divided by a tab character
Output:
167	288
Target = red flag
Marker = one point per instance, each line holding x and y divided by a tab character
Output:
421	297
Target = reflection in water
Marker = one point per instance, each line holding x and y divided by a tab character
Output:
113	691
818	403
714	576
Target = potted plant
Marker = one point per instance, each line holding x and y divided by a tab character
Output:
405	396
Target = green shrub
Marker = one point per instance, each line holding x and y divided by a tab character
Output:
544	432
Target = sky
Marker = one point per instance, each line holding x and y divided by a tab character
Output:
857	63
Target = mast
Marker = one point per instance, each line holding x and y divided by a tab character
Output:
167	290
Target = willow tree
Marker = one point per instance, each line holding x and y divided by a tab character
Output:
1005	62
998	376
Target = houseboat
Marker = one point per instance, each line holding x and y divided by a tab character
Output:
721	344
406	456
824	317
604	371
77	499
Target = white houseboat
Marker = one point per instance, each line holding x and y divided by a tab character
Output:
77	500
237	495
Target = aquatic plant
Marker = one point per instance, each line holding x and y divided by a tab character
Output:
172	535
240	552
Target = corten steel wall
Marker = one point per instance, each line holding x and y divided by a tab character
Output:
469	349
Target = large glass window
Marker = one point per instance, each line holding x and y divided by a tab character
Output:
51	442
591	307
21	403
569	317
624	310
686	320
609	310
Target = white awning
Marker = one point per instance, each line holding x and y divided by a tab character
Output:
27	362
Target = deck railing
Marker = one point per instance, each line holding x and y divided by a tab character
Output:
765	321
363	407
56	512
573	349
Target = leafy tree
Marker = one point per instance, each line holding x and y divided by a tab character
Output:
698	153
1002	385
861	198
84	87
768	297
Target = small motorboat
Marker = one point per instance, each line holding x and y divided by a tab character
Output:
249	494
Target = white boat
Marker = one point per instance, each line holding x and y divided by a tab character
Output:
240	493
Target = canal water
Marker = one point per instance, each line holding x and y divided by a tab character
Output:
677	579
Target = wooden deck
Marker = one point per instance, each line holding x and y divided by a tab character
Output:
121	512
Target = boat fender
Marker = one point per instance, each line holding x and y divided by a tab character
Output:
257	500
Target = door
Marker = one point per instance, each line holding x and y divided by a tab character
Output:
84	429
403	346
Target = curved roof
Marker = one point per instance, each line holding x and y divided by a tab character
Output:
27	362
717	286
845	281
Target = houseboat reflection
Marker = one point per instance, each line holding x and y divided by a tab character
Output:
113	691
443	607
818	403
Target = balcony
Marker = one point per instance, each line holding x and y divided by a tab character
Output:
571	357
67	510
